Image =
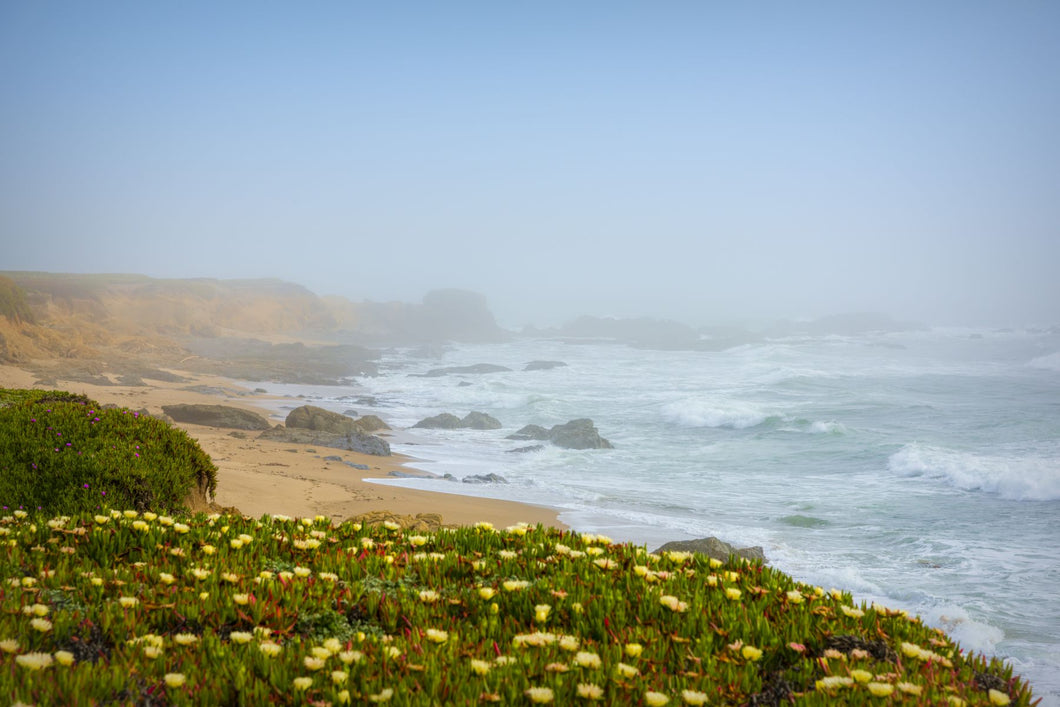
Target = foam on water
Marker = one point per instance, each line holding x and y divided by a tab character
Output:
1050	362
708	413
1022	478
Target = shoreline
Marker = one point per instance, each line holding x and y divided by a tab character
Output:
279	478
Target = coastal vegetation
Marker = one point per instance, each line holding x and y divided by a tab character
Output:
124	597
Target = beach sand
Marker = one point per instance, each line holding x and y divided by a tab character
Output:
261	476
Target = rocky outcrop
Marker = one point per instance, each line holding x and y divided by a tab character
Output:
310	417
448	421
475	369
370	423
527	449
543	365
484	479
217	416
354	441
576	434
420	523
713	547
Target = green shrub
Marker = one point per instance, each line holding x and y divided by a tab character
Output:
61	453
13	303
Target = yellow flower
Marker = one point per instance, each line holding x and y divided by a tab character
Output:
999	698
479	667
185	639
302	684
391	525
880	689
417	540
339	677
166	578
909	688
382	696
241	599
302	571
514	585
152	652
348	657
589	660
332	645
861	675
626	671
175	679
673	603
9	645
429	596
692	697
240	637
235	543
539	695
634	649
655	699
732	593
569	643
36	610
483	525
541	612
344	697
313	663
64	657
794	596
269	648
140	526
833	682
751	653
437	636
589	691
34	661
181	528
851	611
101	520
486	593
42	625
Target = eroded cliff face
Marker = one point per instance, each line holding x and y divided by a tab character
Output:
254	329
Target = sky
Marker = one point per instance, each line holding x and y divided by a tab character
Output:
703	161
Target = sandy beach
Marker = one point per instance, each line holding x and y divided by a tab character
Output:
262	476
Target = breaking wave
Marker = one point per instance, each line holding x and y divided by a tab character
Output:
1022	478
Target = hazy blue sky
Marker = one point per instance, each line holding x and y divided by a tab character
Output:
697	160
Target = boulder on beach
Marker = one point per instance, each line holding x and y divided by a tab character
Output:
217	416
370	423
444	421
448	421
310	417
576	434
543	365
353	441
484	479
713	547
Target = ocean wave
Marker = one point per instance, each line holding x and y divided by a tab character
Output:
829	427
1018	478
1050	362
699	413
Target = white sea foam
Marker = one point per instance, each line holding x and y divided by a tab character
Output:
702	413
1022	478
1050	362
830	427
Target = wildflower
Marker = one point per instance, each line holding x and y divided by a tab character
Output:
235	543
328	576
503	660
208	549
302	572
605	563
166	578
269	648
200	573
861	675
437	636
302	684
483	525
240	637
262	631
391	525
417	540
751	653
348	657
42	625
677	556
185	639
34	661
165	520
589	691
794	596
569	643
514	585
367	543
693	697
339	677
539	695
429	596
332	645
486	593
999	698
626	671
101	520
508	554
152	652
833	682
64	657
175	679
181	528
880	689
732	593
557	668
851	611
956	701
230	577
392	652
655	699
241	599
480	667
35	610
313	663
633	649
541	612
589	660
382	696
909	688
140	526
673	603
797	647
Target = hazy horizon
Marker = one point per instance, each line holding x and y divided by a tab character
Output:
702	162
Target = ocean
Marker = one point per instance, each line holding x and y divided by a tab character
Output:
918	469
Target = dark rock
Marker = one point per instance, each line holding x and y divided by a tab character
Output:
712	547
476	369
370	423
260	390
362	467
578	434
524	450
355	441
445	421
310	417
217	416
333	458
485	479
535	432
543	365
236	434
350	412
480	421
